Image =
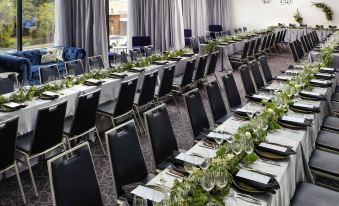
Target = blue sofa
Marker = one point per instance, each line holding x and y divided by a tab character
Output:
139	42
188	36
27	63
213	29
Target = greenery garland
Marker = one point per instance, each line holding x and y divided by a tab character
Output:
298	18
326	9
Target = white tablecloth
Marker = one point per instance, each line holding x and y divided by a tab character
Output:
294	34
313	56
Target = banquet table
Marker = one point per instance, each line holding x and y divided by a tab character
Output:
313	56
294	34
289	171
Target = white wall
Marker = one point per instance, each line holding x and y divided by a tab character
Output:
256	15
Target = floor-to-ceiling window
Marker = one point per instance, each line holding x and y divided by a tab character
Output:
7	25
117	26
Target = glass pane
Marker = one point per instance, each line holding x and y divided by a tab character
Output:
118	25
7	25
38	20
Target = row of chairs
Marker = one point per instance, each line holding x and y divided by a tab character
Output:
307	43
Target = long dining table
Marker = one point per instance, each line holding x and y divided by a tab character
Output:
287	172
294	34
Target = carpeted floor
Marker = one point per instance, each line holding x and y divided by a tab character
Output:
9	190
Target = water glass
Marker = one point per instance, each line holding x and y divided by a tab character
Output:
188	167
220	179
204	166
237	147
207	181
248	147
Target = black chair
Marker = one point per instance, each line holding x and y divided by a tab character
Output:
199	74
49	73
268	44
259	81
250	54
144	98
232	91
202	40
294	53
299	48
228	32
182	82
8	133
263	46
126	160
239	59
328	141
247	80
96	63
149	50
208	37
266	69
83	121
73	178
195	45
235	31
122	57
212	65
197	114
164	90
135	54
74	68
305	46
46	136
7	85
239	30
245	29
257	48
217	104
121	108
160	131
313	195
271	45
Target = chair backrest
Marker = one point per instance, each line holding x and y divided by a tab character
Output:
310	40
272	39
257	46
123	57
240	29
125	155
235	31
49	73
195	45
8	134
283	37
165	87
263	45
85	113
277	38
208	36
215	28
141	41
213	63
232	91
247	80
196	111
135	54
268	43
228	32
202	39
215	99
148	88
96	62
266	68
245	29
298	49
188	74
149	50
259	81
49	128
294	52
126	97
73	179
74	67
6	85
246	49
160	131
200	72
251	50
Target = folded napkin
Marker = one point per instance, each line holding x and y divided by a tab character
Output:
305	107
320	83
175	58
93	82
49	95
188	54
327	70
242	112
275	149
137	69
295	121
312	95
160	62
324	76
118	75
283	78
259	181
12	106
258	98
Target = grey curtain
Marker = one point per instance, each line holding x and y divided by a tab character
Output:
219	12
160	19
195	16
82	23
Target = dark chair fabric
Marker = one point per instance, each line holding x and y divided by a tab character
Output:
200	71
188	36
149	50
127	161
8	133
48	130
247	80
216	102
6	85
161	134
123	57
215	28
294	52
139	42
49	72
259	81
257	47
146	94
74	68
195	45
251	49
313	195
165	87
74	180
328	140
202	40
135	54
232	92
197	113
186	79
212	64
263	45
96	62
325	162
266	69
331	123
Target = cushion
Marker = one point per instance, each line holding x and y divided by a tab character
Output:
331	123
24	142
325	162
107	107
50	56
34	56
328	139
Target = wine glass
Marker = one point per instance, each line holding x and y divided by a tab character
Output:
188	167
230	139
220	179
248	147
139	201
237	147
249	113
207	181
218	140
204	166
17	86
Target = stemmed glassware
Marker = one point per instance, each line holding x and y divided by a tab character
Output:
219	141
220	179
188	167
208	181
248	146
237	147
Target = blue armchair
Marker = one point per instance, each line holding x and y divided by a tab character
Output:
139	42
188	36
27	63
213	29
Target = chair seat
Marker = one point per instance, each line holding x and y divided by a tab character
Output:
24	142
68	124
335	97
223	119
335	106
200	137
328	140
325	162
313	195
108	107
331	123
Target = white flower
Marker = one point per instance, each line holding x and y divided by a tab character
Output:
248	134
270	110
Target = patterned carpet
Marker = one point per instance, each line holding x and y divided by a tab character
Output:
9	190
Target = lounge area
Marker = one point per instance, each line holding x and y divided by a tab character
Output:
169	102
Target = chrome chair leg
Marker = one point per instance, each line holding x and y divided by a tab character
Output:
101	144
176	103
20	183
136	120
32	176
141	122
